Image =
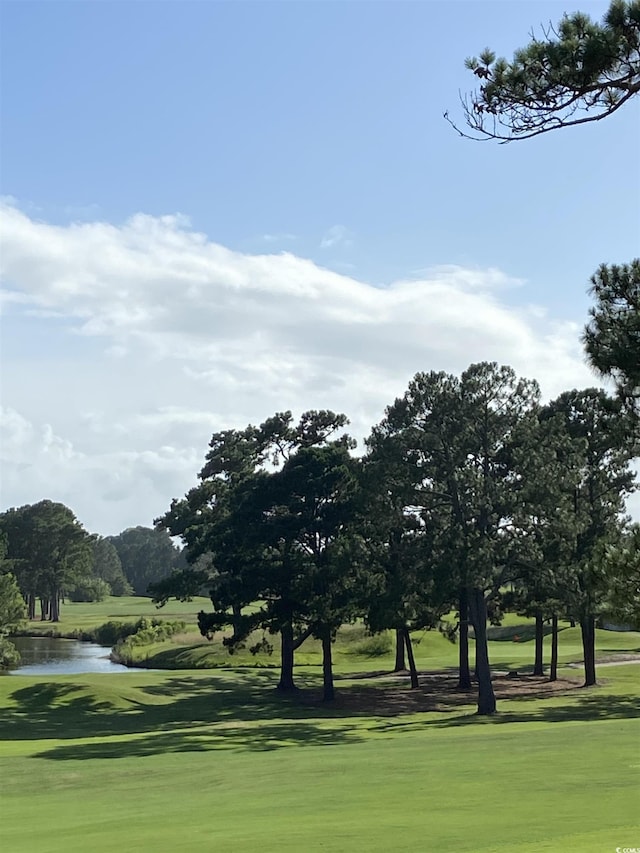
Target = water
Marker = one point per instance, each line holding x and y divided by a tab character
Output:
48	656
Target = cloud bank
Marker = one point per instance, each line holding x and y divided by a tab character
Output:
150	336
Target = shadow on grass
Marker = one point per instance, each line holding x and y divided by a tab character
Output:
198	714
257	738
271	735
74	710
588	707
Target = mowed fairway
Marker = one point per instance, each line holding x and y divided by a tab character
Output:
214	761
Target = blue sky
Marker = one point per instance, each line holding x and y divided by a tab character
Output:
303	146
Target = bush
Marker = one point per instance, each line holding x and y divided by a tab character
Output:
91	589
111	632
373	646
9	655
147	631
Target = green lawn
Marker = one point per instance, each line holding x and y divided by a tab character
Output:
515	649
81	616
197	761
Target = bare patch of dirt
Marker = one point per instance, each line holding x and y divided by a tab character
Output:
438	691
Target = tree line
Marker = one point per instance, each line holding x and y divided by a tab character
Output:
471	496
47	557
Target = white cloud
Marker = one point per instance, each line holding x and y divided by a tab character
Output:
178	336
108	489
337	235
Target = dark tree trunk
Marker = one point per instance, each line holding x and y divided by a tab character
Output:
236	611
464	673
45	608
327	668
588	630
400	664
54	607
286	659
31	606
412	662
538	665
478	615
553	668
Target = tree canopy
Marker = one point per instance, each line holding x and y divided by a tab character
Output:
271	511
579	71
597	480
12	608
146	556
48	550
107	567
622	563
612	336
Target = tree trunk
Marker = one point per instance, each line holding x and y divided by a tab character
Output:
45	606
553	669
478	614
31	606
464	674
327	668
400	664
286	659
236	611
54	607
412	663
588	630
538	665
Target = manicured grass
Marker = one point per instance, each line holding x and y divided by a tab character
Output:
432	650
192	762
216	761
82	616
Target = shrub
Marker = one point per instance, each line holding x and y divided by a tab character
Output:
147	631
373	646
91	589
112	632
9	655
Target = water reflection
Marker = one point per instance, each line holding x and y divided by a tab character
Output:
49	656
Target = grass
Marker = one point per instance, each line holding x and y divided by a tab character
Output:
512	648
216	761
82	616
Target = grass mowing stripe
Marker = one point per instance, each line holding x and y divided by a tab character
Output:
381	793
214	761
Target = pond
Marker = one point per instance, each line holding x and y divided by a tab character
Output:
49	656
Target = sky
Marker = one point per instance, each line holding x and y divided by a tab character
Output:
215	211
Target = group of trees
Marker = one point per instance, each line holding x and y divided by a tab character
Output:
470	494
47	556
142	555
48	551
579	72
469	487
